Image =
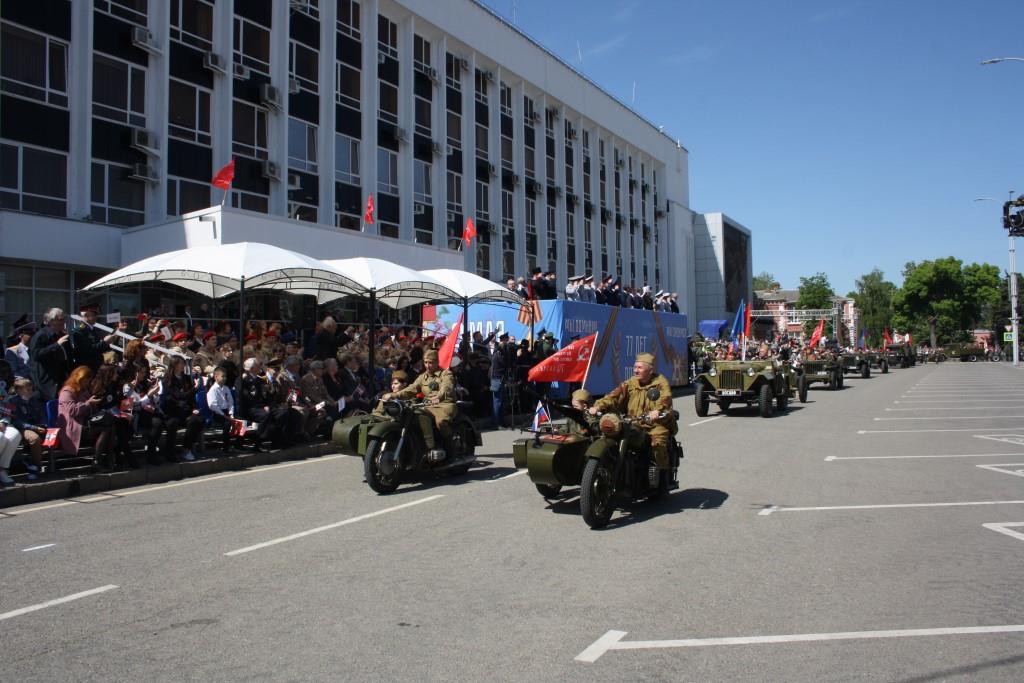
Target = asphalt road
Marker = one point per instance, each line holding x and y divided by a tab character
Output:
819	522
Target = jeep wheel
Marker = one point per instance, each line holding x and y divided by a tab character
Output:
996	357
782	401
801	388
842	381
701	401
865	370
833	383
885	368
972	358
765	401
723	404
548	490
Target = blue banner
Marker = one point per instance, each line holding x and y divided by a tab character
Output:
623	333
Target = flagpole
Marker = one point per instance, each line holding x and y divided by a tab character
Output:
586	373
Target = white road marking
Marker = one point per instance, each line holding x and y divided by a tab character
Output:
1004	528
957	400
1015	439
612	640
506	476
1019	472
923	431
159	487
957	417
960	408
704	422
779	508
37	547
57	601
832	458
328	527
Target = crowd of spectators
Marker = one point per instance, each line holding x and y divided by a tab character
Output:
609	291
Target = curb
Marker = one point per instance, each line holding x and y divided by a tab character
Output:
57	489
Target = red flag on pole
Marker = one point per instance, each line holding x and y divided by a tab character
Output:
224	176
886	339
567	365
818	331
447	350
469	232
368	216
746	322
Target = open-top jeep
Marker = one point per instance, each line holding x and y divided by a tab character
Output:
824	370
856	362
767	383
967	352
877	361
900	354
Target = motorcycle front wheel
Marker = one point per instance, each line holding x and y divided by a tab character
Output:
377	480
596	490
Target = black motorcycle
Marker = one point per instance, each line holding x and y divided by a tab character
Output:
394	448
620	468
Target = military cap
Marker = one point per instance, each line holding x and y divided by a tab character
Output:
430	354
645	358
588	278
400	375
582	395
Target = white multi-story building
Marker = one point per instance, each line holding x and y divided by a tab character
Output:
115	114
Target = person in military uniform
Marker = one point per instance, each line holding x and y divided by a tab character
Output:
88	344
399	381
438	389
645	393
581	400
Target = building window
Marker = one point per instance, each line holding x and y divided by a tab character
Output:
133	10
33	65
301	145
387	171
483	255
347	221
252	45
387	36
421	182
348	17
454	130
454	193
531	233
184	196
302	212
347	86
423	116
481	141
570	242
304	66
118	91
308	7
387	107
483	200
388	230
588	252
421	53
552	240
453	72
249	128
528	111
480	86
506	153
346	159
506	99
423	236
117	199
188	112
192	22
33	180
250	201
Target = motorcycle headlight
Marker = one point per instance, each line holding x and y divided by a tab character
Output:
610	425
713	371
751	372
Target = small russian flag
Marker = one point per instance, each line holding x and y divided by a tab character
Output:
540	416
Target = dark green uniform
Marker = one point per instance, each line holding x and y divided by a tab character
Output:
439	384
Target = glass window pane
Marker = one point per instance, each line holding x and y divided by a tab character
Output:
194	196
9	166
53	278
242	127
139	91
182	107
125	193
47	300
44	173
23	56
98	183
58	67
110	83
17	276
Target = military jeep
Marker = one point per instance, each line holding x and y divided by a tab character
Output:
769	384
877	361
824	370
966	352
901	355
856	362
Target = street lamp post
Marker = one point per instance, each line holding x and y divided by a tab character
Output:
1014	320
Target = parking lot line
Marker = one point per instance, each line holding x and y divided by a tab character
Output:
328	527
953	417
612	640
505	476
958	400
1004	528
832	458
924	431
959	408
1000	467
56	601
779	508
704	422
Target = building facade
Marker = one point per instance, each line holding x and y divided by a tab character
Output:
115	114
723	266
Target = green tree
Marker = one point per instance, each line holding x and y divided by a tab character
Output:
874	301
765	280
983	290
933	299
816	292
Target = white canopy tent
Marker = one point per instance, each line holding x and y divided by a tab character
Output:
471	288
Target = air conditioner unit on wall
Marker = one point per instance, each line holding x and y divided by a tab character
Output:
399	135
489	76
214	62
271	96
418	208
145	172
492	170
271	170
241	71
464	63
145	141
293	86
437	148
143	39
535	117
432	73
294	181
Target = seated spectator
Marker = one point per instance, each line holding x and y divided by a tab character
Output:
76	406
332	380
254	401
291	404
315	391
221	403
107	385
16	355
178	409
10	437
29	416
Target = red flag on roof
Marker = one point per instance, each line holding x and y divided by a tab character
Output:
224	176
469	232
447	350
368	216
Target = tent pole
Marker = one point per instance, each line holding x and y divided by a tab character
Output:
371	342
241	335
465	328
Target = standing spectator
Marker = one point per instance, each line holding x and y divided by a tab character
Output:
87	343
329	339
49	355
501	366
521	288
16	355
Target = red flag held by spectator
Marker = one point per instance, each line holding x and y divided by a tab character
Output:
469	232
368	216
567	365
224	176
818	331
52	437
447	350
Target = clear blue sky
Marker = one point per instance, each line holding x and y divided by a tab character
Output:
847	135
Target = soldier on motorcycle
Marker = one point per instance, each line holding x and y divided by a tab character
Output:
438	389
646	393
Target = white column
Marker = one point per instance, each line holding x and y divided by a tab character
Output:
277	121
370	97
439	125
561	250
595	200
577	182
325	140
519	164
406	117
80	111
541	167
156	113
494	158
222	103
469	158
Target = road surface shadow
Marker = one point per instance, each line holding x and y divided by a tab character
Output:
567	503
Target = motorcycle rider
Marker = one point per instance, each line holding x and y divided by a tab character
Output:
399	381
645	393
438	389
